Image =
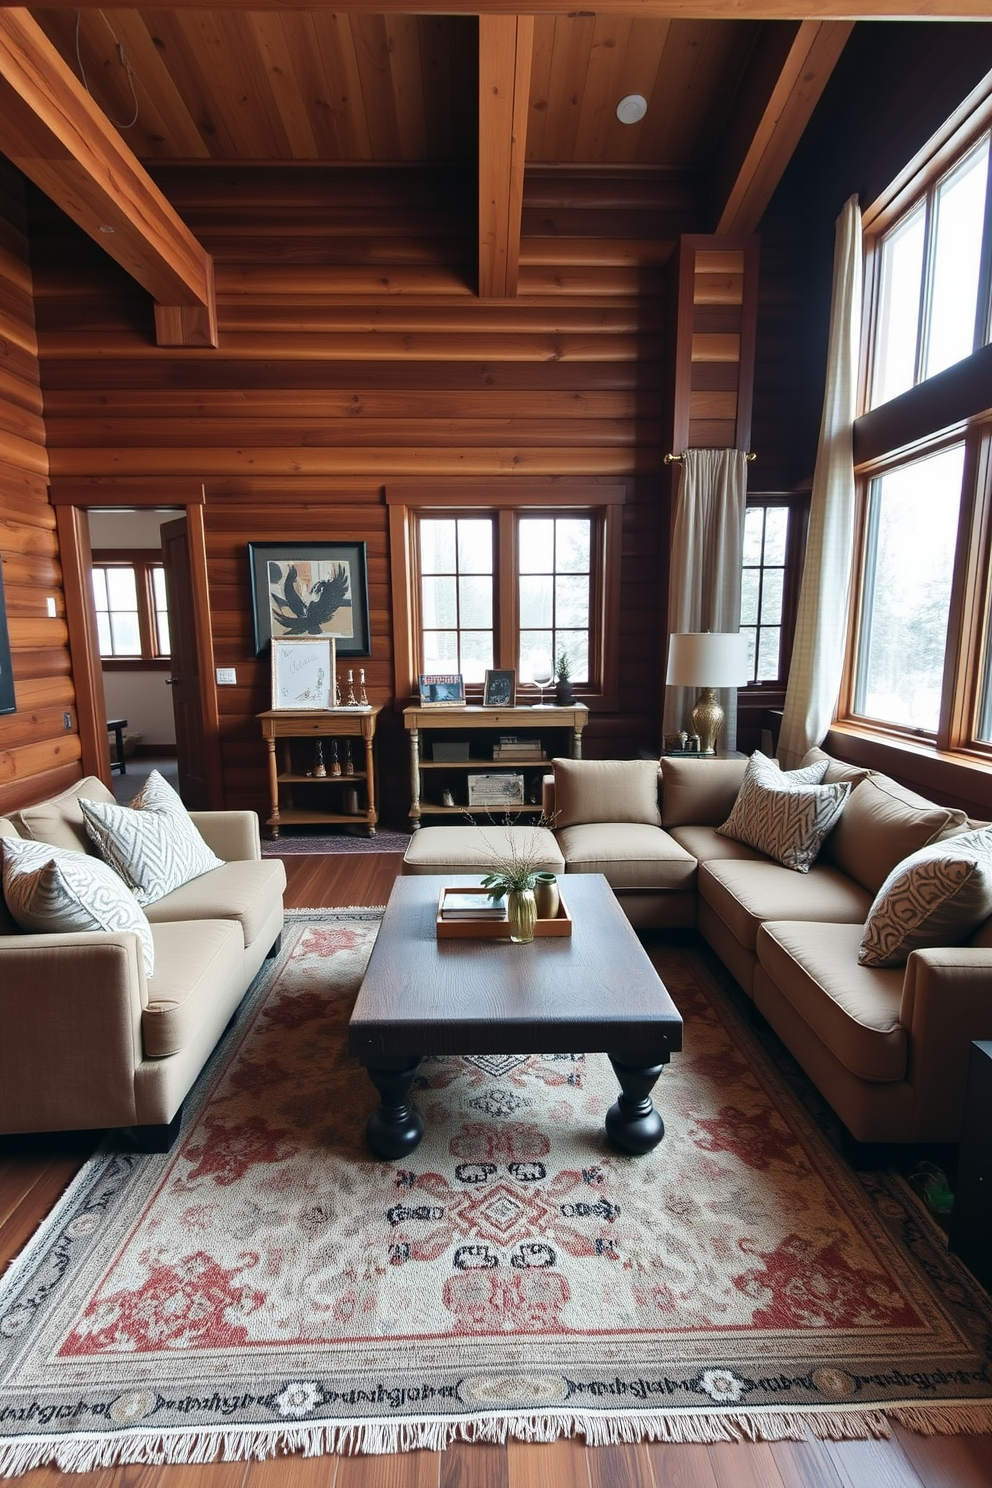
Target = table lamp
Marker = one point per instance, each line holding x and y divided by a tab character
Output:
707	660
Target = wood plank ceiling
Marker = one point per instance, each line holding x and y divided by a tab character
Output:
727	99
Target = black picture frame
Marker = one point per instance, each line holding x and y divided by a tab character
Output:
289	606
8	702
500	689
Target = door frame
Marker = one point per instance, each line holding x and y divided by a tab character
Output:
72	500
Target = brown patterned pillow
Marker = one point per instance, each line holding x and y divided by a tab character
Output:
785	813
937	896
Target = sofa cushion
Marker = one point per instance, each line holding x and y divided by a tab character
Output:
881	825
938	896
630	855
699	792
707	843
53	890
836	770
243	891
606	791
199	966
853	1009
744	894
152	843
59	820
785	813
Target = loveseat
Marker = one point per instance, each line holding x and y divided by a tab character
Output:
89	1039
887	1045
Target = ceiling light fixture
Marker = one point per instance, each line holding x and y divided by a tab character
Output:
106	228
631	110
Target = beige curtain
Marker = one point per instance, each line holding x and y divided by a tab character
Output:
821	624
705	584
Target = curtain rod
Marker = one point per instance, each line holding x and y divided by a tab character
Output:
676	459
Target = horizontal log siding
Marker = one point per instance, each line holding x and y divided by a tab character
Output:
353	351
37	753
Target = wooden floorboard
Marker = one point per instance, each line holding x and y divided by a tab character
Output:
34	1173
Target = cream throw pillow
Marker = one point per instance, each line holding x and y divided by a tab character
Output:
938	896
152	843
53	889
606	791
785	813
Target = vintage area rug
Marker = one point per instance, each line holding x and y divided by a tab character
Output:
268	1287
301	842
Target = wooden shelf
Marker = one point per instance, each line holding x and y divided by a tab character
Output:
297	798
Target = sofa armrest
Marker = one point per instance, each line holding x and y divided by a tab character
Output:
71	1009
946	1004
232	835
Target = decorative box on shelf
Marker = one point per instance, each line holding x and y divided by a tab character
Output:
486	927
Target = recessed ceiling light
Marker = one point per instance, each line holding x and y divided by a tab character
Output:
105	228
631	110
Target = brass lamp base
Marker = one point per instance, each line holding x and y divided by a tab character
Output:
707	720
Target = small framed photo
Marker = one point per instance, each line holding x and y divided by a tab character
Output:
303	673
442	690
500	690
495	790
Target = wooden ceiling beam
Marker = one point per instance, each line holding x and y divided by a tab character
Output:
53	131
506	47
789	72
700	10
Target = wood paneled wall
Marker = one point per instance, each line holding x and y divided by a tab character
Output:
353	351
37	753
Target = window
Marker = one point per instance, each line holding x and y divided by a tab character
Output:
131	612
516	580
931	308
774	535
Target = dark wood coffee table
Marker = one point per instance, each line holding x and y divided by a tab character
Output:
594	990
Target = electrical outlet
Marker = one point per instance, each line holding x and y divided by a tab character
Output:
227	677
67	720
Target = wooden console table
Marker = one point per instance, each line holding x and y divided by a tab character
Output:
298	796
558	730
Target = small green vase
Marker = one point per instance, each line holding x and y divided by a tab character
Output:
521	912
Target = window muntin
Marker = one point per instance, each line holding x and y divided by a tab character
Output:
457	573
766	544
911	529
927	315
555	593
115	593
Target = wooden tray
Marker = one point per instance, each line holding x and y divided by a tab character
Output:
483	929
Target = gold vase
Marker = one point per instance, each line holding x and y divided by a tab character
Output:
707	720
521	913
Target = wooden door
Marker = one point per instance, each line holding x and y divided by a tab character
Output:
185	680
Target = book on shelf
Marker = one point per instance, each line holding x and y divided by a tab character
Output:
514	752
458	906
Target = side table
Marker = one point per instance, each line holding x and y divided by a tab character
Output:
971	1217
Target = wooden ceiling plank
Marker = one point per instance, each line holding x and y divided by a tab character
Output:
755	159
713	10
607	58
375	70
289	98
341	103
55	134
165	124
506	47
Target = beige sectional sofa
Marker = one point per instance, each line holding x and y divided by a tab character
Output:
887	1046
89	1041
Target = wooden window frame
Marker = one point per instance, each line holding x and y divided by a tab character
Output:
797	504
142	561
505	502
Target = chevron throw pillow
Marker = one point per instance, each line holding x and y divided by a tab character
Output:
937	896
785	813
153	844
52	889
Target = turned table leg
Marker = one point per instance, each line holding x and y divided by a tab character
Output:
632	1122
395	1128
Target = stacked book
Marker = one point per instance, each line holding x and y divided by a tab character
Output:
509	747
456	906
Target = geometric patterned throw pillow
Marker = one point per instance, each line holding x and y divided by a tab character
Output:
785	813
152	843
935	897
52	890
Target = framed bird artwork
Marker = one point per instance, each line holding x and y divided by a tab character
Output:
302	590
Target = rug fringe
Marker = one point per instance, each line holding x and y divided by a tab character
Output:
90	1452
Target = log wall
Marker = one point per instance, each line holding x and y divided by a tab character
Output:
354	351
37	753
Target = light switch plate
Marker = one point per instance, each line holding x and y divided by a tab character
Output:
227	677
50	607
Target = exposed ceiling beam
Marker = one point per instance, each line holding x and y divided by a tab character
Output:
700	10
789	72
53	131
506	47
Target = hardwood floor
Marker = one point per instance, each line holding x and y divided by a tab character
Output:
31	1181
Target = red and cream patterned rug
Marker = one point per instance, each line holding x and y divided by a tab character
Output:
269	1287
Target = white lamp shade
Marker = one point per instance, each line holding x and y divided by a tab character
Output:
707	659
